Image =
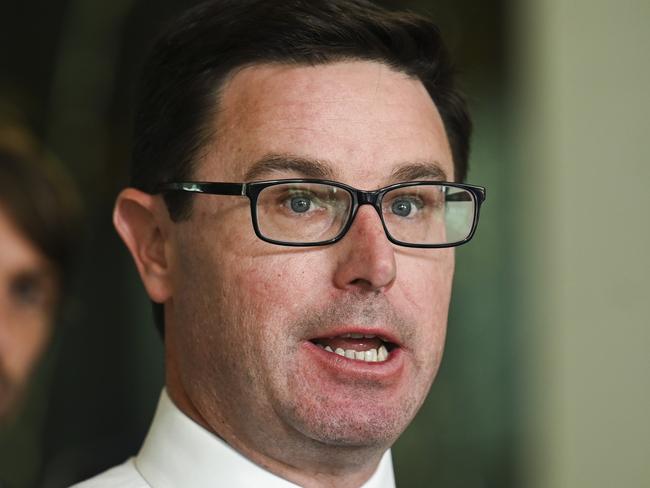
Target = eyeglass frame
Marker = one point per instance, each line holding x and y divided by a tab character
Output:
359	197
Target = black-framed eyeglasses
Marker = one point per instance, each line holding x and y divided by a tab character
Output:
314	212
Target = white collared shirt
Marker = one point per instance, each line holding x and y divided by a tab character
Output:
178	452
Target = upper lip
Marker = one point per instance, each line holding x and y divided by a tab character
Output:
382	333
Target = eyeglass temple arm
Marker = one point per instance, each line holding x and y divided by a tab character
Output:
199	187
478	191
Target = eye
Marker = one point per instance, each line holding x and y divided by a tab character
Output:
300	204
303	202
26	290
405	207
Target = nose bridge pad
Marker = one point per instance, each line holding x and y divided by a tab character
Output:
368	198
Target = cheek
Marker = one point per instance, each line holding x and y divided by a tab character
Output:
25	342
424	286
425	281
273	288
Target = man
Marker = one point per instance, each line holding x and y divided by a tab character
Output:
303	327
39	218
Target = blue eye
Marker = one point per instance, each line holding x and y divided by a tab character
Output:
406	207
401	208
300	204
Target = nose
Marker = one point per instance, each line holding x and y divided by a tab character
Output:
366	256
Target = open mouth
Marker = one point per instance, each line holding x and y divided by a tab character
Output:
369	348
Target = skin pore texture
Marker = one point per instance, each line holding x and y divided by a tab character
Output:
28	294
241	315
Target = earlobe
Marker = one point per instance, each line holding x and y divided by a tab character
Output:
140	220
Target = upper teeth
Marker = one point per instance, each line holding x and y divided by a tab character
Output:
370	356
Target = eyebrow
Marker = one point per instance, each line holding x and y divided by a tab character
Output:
418	171
312	168
309	168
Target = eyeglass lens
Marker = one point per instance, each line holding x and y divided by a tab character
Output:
317	212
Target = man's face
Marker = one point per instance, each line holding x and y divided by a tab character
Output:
27	297
246	317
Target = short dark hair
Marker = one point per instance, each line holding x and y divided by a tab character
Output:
41	200
190	62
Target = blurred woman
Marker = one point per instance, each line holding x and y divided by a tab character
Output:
39	217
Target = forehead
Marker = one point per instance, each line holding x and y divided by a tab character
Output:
360	118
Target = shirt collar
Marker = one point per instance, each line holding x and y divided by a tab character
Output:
179	452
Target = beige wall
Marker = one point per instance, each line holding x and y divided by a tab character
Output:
583	127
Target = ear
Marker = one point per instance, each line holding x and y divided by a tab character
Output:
141	221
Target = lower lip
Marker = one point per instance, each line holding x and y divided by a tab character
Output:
382	372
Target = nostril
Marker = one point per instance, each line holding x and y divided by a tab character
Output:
361	283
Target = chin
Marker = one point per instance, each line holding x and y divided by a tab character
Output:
355	423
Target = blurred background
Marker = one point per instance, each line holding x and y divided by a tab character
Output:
545	381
